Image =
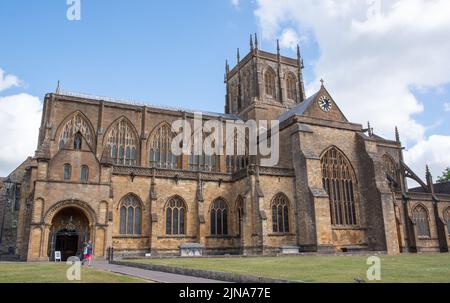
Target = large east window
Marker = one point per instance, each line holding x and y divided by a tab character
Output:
339	181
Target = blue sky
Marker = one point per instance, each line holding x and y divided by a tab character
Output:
164	52
173	53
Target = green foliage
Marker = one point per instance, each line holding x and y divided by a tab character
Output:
445	176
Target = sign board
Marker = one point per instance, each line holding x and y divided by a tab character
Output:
57	256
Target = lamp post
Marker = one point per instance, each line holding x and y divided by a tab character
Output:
8	184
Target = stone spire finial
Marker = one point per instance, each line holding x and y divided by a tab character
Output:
238	56
430	183
397	135
299	58
256	41
369	129
322	82
278	47
58	88
251	42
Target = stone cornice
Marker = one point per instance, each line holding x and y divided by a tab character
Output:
194	175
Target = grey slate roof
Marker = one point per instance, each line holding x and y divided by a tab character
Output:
299	109
439	188
141	103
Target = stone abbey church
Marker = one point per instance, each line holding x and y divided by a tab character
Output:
104	171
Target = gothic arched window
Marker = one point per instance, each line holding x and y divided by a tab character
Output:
420	219
84	173
390	168
339	181
76	124
240	214
219	218
269	82
447	219
291	87
280	214
202	162
175	216
237	162
247	87
160	150
123	142
130	215
67	172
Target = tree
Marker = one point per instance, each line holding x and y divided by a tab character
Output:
445	176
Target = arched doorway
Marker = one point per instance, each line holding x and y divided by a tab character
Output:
69	230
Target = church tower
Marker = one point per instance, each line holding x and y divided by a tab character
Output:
263	85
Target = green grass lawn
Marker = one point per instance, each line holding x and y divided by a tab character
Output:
402	269
56	273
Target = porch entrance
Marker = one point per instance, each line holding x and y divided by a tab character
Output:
69	231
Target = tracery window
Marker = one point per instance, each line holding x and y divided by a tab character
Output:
339	181
219	218
77	124
123	142
235	162
130	215
175	216
247	87
280	214
390	168
203	162
269	81
160	151
420	218
291	87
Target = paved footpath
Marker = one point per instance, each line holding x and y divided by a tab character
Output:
151	275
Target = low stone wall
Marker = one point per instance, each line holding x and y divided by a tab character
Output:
213	275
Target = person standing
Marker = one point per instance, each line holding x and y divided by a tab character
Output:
85	251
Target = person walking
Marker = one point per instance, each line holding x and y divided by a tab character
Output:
89	250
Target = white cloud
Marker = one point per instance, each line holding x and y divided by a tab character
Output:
289	39
235	3
20	117
371	57
447	106
434	151
8	81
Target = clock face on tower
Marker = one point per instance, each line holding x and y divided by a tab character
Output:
325	103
